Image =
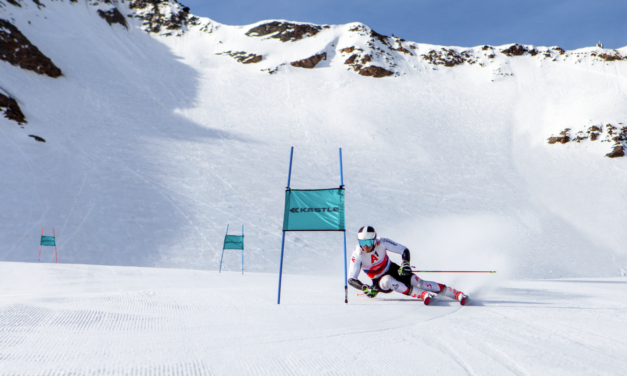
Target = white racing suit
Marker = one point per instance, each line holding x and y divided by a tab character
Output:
384	273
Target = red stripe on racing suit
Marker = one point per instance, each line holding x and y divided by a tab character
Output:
376	270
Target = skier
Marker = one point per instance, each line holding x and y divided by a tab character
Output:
371	256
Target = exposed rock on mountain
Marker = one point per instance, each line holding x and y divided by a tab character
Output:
402	49
284	31
113	16
562	139
37	138
374	71
619	151
618	135
310	62
518	50
612	56
243	57
382	38
16	49
447	57
12	109
163	14
351	60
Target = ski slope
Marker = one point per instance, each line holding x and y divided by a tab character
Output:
156	141
102	320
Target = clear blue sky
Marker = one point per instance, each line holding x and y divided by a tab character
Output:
566	23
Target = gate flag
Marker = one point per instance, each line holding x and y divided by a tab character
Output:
48	241
233	242
314	210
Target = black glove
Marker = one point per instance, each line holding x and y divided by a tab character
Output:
370	292
405	269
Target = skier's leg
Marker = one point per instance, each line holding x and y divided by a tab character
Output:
439	288
387	282
390	283
426	285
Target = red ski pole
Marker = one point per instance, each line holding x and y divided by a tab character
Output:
454	271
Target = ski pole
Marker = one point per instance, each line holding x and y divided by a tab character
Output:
454	271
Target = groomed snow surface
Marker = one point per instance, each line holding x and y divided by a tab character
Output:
112	320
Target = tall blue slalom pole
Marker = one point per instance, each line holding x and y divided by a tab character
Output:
345	272
242	251
227	232
289	175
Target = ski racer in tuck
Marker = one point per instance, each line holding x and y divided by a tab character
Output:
371	257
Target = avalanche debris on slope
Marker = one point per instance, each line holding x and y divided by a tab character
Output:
16	49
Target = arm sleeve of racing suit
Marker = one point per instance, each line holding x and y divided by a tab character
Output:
355	268
395	247
406	256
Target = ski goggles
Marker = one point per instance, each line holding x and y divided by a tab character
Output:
366	243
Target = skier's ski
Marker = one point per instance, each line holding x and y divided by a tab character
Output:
395	300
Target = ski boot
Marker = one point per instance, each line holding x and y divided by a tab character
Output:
461	297
426	297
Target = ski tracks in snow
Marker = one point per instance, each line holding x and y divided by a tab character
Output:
95	320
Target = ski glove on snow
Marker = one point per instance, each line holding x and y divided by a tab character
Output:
405	269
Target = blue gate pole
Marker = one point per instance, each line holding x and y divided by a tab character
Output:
242	249
227	232
289	175
345	272
278	300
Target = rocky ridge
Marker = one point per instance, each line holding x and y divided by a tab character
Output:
284	31
164	17
17	50
243	57
603	133
356	46
12	110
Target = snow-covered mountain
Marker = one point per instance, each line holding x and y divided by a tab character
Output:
161	128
